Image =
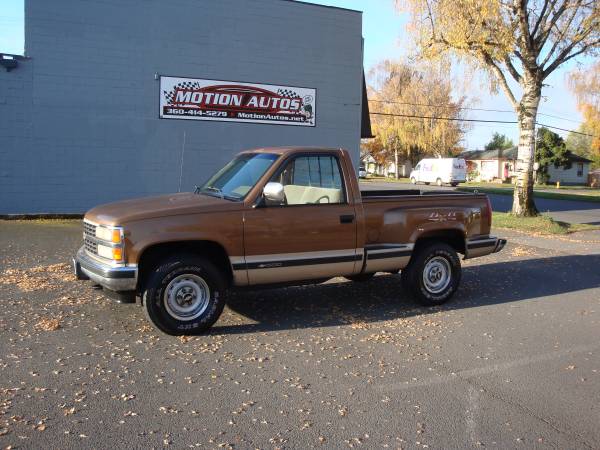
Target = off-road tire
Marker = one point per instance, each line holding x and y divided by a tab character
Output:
154	301
361	277
412	275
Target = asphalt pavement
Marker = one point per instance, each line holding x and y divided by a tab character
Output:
570	211
513	361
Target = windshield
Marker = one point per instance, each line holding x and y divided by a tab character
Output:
235	180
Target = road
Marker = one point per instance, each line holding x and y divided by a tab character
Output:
570	211
513	361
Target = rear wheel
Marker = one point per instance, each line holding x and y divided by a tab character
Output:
360	277
438	181
185	294
453	184
433	274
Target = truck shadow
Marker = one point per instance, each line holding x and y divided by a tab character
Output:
383	298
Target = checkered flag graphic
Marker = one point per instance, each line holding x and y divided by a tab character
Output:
170	96
287	93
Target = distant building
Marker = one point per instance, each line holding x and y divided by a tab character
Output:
387	169
490	165
499	166
577	174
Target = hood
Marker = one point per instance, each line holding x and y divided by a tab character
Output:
121	212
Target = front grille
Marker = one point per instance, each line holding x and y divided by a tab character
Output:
89	231
90	246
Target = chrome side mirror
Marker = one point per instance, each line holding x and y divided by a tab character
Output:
274	193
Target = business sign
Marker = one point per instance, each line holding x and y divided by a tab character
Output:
229	101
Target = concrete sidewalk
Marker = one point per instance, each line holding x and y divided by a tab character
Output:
580	243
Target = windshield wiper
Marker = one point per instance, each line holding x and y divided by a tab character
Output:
214	189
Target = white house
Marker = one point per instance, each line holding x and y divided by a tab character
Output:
490	165
499	166
385	170
576	174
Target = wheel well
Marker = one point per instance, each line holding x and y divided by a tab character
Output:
153	255
454	238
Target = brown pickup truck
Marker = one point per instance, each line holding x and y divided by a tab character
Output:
278	216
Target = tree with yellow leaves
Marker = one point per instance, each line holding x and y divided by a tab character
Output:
586	86
525	40
399	92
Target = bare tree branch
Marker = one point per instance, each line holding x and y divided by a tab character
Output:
512	70
501	78
523	15
562	34
542	17
545	32
564	56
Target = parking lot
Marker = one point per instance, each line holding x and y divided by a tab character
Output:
513	361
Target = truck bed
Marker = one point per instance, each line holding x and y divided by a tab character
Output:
390	193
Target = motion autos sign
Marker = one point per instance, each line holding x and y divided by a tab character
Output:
199	99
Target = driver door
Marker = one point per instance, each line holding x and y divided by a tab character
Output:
312	234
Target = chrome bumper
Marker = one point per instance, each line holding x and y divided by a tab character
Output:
109	277
485	245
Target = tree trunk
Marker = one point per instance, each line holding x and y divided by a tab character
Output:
523	204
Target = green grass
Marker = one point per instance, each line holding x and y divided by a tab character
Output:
540	224
593	195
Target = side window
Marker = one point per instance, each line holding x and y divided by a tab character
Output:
418	167
312	180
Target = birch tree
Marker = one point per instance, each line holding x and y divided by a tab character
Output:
519	40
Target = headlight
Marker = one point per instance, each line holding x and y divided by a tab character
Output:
110	234
114	253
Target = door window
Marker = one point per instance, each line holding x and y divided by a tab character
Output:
312	180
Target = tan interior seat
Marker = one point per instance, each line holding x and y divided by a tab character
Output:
300	195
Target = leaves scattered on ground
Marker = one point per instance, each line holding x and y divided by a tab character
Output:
47	324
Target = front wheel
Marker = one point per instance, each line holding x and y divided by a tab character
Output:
453	184
413	180
184	295
433	274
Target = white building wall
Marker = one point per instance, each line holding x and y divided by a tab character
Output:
569	176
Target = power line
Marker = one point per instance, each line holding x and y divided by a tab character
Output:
507	111
455	119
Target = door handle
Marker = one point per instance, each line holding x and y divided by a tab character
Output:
347	218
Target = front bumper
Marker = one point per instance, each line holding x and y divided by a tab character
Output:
112	278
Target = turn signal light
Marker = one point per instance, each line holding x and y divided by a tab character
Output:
116	236
117	253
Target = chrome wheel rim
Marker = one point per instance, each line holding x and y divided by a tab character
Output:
437	274
187	296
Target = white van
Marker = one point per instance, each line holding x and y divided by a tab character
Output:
439	171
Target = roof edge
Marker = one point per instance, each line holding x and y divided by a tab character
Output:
302	2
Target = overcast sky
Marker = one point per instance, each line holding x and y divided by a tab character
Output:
385	38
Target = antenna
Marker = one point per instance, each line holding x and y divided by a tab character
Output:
181	163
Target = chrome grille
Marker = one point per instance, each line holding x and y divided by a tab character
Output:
90	246
89	231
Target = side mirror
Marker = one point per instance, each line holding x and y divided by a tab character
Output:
274	193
